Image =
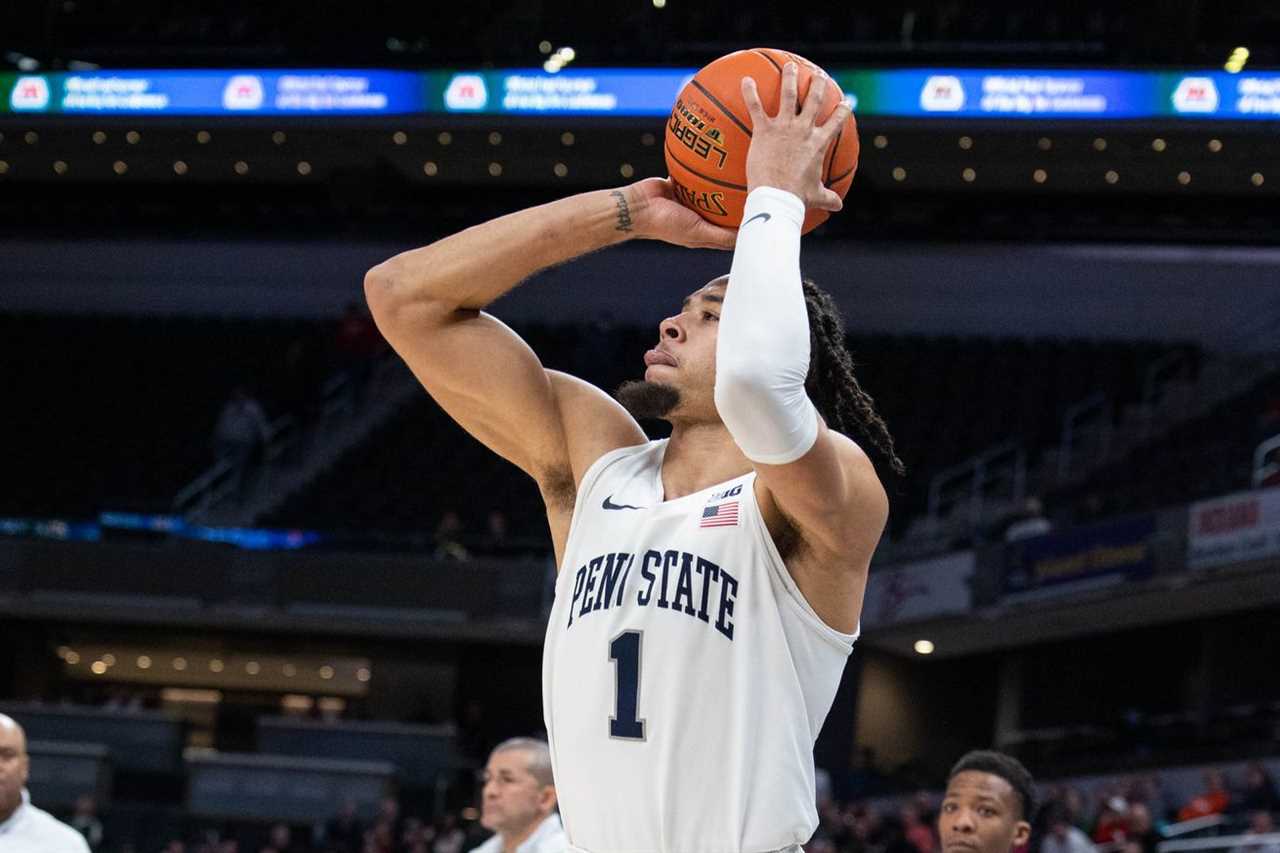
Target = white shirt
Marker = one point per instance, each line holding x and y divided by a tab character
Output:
685	677
33	830
547	838
1075	842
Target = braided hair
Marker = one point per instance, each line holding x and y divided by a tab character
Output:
831	384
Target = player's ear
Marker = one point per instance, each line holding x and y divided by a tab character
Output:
1021	834
547	798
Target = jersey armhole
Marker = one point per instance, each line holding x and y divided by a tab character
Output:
844	642
589	480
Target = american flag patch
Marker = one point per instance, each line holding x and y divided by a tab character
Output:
722	515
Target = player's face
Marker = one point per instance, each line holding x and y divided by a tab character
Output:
513	800
981	814
13	766
685	356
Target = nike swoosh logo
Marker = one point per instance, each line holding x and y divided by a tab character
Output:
608	504
766	217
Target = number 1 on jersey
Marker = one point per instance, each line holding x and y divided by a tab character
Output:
624	651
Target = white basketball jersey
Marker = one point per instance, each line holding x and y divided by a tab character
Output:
684	678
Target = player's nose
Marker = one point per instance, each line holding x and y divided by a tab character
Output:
671	328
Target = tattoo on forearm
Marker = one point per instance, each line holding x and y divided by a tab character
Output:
624	210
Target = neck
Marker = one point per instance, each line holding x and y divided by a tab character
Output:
7	809
512	840
699	454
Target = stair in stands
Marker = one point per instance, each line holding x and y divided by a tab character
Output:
322	443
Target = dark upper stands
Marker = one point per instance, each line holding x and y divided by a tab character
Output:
118	413
943	398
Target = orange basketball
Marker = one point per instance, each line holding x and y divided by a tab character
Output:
710	129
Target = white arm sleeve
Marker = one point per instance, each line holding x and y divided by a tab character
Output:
762	352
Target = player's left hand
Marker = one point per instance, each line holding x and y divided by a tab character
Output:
787	150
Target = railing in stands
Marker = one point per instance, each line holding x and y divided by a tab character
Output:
1085	426
222	479
1187	827
1251	842
975	481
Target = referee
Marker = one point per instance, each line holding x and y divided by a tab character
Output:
23	827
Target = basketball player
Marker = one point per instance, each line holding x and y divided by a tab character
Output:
989	805
710	584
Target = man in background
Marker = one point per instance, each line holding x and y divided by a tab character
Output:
23	827
988	806
519	801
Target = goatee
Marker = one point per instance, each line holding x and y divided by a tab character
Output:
647	400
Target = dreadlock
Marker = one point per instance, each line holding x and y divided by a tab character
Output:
831	384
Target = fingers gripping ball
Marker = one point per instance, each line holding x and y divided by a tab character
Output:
710	130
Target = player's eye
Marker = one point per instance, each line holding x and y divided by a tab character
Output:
707	315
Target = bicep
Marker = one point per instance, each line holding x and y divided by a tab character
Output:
831	496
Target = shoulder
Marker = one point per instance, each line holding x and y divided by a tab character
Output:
55	836
551	837
492	845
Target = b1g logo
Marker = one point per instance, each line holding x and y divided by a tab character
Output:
708	202
244	92
29	93
942	94
466	92
697	135
1196	95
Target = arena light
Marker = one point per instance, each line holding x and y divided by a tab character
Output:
659	4
1236	61
924	647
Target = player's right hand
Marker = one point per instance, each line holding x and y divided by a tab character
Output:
657	215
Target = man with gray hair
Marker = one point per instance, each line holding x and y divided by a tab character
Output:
23	827
519	800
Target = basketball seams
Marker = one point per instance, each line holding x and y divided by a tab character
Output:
772	61
676	158
728	113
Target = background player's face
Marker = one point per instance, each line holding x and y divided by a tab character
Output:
981	813
513	799
13	765
690	337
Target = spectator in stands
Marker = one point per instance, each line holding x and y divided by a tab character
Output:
1260	823
918	833
23	827
1112	826
988	805
449	837
519	800
1214	800
1141	829
448	538
280	840
84	820
1259	791
495	535
242	429
356	344
344	833
1028	523
177	845
1062	837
